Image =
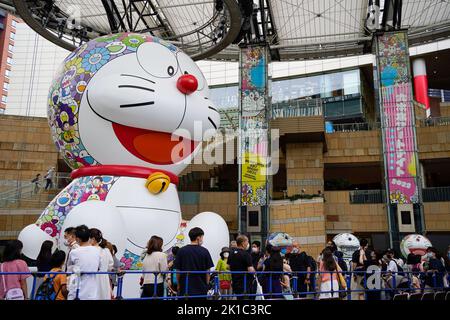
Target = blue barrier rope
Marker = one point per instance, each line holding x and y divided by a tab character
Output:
347	274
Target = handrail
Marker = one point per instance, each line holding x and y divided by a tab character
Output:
394	285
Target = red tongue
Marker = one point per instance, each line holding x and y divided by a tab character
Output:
154	146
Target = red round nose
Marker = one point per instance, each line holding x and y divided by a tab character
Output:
187	83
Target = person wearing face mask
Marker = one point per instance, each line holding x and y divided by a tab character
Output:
70	241
256	253
241	260
434	279
301	268
224	278
193	257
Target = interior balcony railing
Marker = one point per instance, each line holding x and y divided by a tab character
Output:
435	122
351	127
366	196
436	194
297	108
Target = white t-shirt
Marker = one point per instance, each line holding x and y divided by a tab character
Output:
392	266
157	261
84	259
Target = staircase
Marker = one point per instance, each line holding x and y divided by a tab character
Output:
26	196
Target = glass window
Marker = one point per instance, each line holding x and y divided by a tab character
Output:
5	86
7	73
351	82
4	98
12	35
10	48
9	60
14	23
225	97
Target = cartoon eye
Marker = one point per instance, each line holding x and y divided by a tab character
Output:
188	66
157	60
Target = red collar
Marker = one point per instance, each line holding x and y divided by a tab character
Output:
121	171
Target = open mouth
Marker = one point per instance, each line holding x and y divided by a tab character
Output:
154	146
418	251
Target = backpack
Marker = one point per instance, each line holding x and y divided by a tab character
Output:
340	260
400	270
312	263
46	290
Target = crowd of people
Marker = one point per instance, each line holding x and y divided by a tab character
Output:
242	271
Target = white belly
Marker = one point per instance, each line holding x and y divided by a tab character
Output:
145	214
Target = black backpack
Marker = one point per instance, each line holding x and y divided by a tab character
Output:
312	263
400	270
46	290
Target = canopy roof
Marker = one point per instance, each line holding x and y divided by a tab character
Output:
295	29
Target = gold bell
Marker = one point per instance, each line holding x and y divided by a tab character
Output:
157	182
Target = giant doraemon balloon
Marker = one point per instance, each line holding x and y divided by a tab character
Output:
127	112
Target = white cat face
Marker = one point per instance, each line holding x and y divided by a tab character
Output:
150	107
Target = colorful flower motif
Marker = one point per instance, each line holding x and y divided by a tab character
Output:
95	59
116	47
50	229
133	41
107	38
126	263
75	63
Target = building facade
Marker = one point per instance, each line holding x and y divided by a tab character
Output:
8	32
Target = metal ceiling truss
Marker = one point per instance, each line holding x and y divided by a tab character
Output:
293	29
141	16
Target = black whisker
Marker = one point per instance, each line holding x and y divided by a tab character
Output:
212	122
137	104
136	87
209	107
131	75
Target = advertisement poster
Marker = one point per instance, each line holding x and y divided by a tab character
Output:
397	114
253	127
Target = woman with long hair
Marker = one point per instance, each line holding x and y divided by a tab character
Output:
328	279
106	264
155	261
43	259
13	286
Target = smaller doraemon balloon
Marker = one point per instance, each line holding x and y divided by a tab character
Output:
347	243
130	99
414	243
282	241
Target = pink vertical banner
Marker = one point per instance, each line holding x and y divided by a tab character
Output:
397	114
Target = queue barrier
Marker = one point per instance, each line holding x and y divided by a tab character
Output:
249	278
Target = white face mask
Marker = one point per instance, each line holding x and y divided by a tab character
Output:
66	243
226	254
